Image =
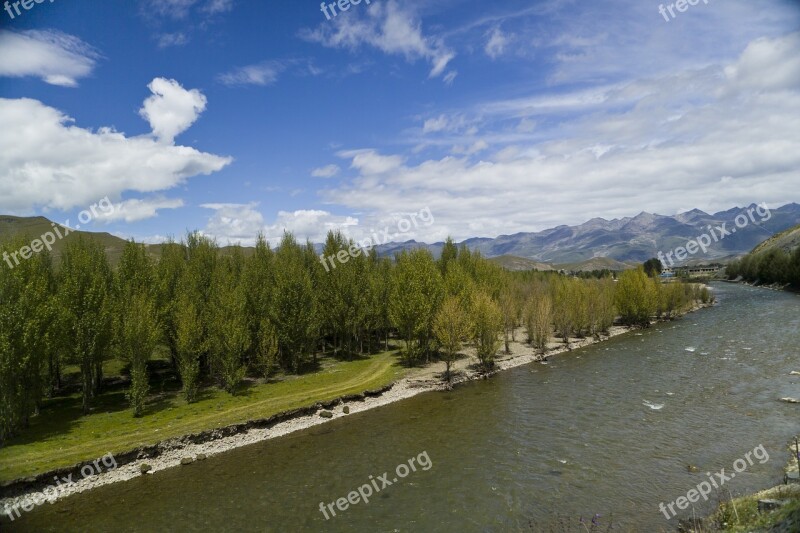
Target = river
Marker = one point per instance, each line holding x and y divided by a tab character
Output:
606	430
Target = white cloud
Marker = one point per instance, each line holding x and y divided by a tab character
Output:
218	6
387	27
668	141
176	9
241	223
54	57
768	64
371	163
474	148
171	109
137	209
328	171
261	74
47	162
166	40
433	125
496	45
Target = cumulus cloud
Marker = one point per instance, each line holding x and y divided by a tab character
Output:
48	162
241	223
171	109
55	57
388	27
673	140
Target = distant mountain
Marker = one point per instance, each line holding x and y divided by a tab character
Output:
596	244
631	240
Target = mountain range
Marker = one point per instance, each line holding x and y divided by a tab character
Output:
632	240
596	244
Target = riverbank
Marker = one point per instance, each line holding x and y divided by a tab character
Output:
173	452
774	510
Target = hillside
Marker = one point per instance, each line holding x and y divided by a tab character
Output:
514	263
786	240
31	228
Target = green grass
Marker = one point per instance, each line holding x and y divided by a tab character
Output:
741	515
61	436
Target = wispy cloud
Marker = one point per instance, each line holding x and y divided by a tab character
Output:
265	73
57	58
389	27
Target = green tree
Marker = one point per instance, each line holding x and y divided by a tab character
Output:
27	337
449	255
138	335
637	297
189	345
84	294
539	318
229	332
653	267
293	310
416	294
451	328
487	322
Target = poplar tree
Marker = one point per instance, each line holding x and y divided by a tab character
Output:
451	328
487	324
84	294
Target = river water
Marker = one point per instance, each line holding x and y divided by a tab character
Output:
606	430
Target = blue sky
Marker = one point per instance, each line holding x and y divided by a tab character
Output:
240	116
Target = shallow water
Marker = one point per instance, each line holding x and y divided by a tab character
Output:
606	430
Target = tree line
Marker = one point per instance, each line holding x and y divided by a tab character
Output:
772	266
224	314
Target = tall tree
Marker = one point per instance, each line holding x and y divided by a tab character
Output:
451	328
293	310
229	332
136	327
487	324
416	295
84	294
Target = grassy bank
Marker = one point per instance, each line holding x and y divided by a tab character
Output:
61	436
741	515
